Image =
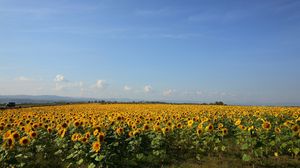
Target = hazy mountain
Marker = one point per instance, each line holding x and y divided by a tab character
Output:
39	99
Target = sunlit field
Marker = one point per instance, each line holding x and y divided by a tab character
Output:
148	135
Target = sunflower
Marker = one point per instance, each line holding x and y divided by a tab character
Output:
95	133
84	140
96	146
166	130
24	141
101	136
295	128
237	122
33	134
7	134
76	123
190	123
179	125
15	135
242	127
9	143
220	125
88	135
209	127
62	132
224	131
75	137
119	131
266	125
277	130
146	127
49	130
199	131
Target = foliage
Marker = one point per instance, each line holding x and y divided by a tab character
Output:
129	135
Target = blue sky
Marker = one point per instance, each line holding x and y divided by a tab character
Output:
244	52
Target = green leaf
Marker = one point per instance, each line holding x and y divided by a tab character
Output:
70	156
94	155
99	158
246	158
244	147
92	165
223	148
79	162
272	143
296	151
140	156
58	152
19	155
198	157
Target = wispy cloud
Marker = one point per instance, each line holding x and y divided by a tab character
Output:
59	78
168	92
127	88
147	88
101	84
23	78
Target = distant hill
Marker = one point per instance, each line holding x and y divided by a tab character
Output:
24	99
44	99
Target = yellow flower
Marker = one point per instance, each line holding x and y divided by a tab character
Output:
33	134
295	128
209	128
96	146
220	125
24	141
199	131
266	125
277	130
190	123
224	131
146	127
95	133
237	122
101	136
62	133
119	131
9	143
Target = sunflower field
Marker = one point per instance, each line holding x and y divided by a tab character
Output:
138	135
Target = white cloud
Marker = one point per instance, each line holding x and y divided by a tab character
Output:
147	88
22	78
59	87
168	92
199	93
127	88
101	84
59	78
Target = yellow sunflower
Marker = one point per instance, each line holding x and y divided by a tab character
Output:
96	146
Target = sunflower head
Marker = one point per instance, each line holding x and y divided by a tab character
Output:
146	127
101	136
199	131
224	131
96	146
33	134
24	141
295	128
190	123
266	125
15	135
209	128
277	130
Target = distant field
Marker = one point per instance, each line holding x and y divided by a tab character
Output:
150	135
